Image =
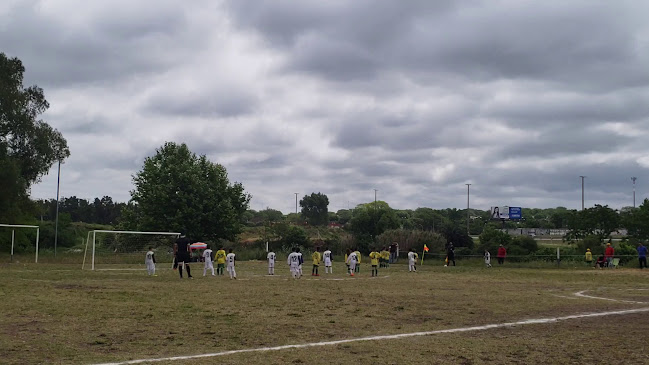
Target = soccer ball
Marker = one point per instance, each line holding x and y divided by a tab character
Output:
445	265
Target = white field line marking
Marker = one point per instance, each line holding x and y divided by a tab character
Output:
563	296
386	337
581	294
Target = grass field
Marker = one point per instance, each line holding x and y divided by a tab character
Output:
59	314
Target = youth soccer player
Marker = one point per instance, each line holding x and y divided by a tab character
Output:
347	257
230	260
293	262
220	261
487	258
374	257
301	259
412	260
358	261
351	261
327	261
271	263
207	257
150	262
385	254
316	257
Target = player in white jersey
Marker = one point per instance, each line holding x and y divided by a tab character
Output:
271	263
299	268
293	262
487	258
412	260
351	261
327	261
150	262
207	257
231	261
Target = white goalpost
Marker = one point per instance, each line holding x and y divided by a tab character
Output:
13	236
124	247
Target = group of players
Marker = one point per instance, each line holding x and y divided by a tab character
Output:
295	261
378	259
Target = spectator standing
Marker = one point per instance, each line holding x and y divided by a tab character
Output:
393	253
608	255
642	255
589	256
502	253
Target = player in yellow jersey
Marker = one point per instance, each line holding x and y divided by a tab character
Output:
383	261
316	257
220	261
374	257
358	261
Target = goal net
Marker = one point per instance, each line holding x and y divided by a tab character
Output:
21	227
124	250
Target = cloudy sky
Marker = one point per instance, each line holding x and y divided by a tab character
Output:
413	98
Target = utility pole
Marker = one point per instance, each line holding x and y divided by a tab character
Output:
295	202
56	224
582	192
467	207
634	179
375	198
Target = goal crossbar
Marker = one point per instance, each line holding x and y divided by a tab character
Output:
13	236
94	237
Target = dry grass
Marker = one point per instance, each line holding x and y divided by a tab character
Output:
56	314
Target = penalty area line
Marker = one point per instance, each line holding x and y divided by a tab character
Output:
386	337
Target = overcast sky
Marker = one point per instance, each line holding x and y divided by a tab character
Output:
413	98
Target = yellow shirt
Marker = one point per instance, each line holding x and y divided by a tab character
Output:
220	257
385	255
316	258
375	257
358	257
589	256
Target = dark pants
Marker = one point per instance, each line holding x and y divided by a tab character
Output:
314	271
643	261
180	259
451	258
501	260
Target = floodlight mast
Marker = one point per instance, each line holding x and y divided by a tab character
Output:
634	179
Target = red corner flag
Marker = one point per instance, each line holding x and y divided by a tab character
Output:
425	248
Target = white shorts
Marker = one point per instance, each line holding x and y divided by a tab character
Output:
327	263
230	268
271	264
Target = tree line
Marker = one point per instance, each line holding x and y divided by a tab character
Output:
99	211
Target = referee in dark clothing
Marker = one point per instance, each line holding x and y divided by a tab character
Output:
182	256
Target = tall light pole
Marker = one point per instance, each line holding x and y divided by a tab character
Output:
375	198
582	192
467	207
56	224
634	179
295	202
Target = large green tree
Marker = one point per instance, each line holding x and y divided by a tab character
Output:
176	190
370	220
315	209
599	221
28	145
636	221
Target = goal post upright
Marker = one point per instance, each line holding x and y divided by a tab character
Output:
94	240
38	230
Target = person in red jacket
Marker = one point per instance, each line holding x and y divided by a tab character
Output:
608	254
502	253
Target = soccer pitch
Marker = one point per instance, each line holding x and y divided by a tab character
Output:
465	314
